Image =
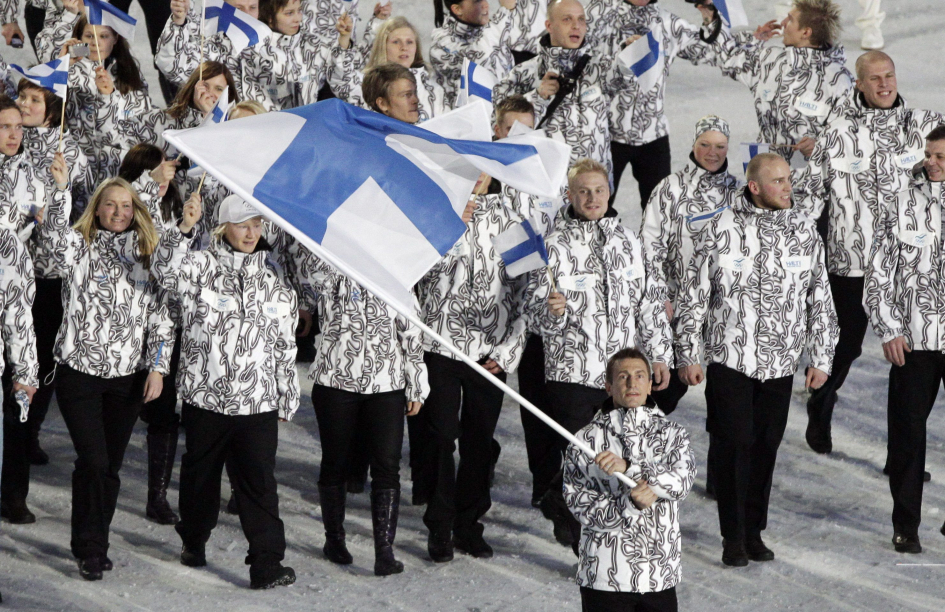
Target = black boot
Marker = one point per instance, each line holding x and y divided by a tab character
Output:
333	516
162	449
270	576
17	512
385	508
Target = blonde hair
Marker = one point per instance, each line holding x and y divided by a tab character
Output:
88	227
379	50
586	165
251	106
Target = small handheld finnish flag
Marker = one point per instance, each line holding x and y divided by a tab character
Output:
220	111
521	248
475	82
242	29
54	76
102	13
732	13
750	149
644	60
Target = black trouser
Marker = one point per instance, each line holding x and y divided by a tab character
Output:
848	299
100	414
35	18
15	484
541	442
748	421
667	399
912	391
612	601
250	442
650	164
161	413
47	318
572	406
464	405
378	416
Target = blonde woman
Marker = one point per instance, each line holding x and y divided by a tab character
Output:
397	42
114	327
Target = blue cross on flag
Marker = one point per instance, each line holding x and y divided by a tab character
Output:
643	59
521	248
732	13
54	76
242	29
475	82
750	149
382	197
220	111
102	13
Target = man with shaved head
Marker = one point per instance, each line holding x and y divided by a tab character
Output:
755	297
570	84
860	164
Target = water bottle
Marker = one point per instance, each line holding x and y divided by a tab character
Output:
24	401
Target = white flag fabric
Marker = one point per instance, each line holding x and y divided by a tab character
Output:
383	197
220	111
643	58
54	75
521	248
475	83
102	13
732	13
242	29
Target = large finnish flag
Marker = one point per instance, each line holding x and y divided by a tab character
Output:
732	13
382	197
54	75
475	83
102	13
242	29
521	248
644	60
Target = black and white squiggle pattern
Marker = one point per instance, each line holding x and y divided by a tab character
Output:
468	298
364	346
612	301
758	284
284	72
17	290
583	118
454	41
178	51
862	161
345	79
40	144
238	343
680	207
149	125
905	282
795	89
623	548
115	322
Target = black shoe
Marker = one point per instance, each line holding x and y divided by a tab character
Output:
270	576
107	565
193	557
17	513
819	441
926	475
440	547
332	500
162	449
554	509
233	506
385	509
36	454
91	568
733	553
907	543
472	544
536	500
756	549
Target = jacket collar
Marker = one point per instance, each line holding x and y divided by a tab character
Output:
237	261
559	57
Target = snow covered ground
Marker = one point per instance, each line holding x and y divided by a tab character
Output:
829	523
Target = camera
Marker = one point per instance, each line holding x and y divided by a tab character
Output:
79	50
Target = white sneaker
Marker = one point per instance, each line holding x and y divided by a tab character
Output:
872	39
